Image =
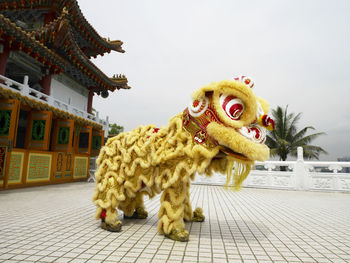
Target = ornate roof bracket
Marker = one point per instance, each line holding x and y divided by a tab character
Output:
16	38
121	81
96	45
59	35
64	44
83	26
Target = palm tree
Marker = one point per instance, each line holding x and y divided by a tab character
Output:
285	138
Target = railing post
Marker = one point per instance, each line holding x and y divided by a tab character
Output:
25	80
97	117
301	176
335	178
25	85
269	167
50	100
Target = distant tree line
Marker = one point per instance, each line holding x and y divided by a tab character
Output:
115	129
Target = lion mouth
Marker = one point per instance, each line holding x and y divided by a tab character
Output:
235	145
227	151
253	133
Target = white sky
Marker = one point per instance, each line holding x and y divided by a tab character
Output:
297	51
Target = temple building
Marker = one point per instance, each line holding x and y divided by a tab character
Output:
48	132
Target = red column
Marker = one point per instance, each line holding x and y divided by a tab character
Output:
3	60
89	104
45	83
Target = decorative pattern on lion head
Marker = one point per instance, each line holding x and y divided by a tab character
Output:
229	115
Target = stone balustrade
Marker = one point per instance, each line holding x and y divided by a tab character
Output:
297	175
25	90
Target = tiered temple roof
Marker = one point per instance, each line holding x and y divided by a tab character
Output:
57	34
16	38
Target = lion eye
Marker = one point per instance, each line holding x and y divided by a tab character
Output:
232	106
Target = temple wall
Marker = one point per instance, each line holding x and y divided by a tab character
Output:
27	167
69	91
55	149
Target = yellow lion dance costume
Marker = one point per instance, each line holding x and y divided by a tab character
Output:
223	130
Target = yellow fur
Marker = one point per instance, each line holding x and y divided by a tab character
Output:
160	160
235	88
149	161
238	143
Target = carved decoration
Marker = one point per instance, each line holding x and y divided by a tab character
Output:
322	183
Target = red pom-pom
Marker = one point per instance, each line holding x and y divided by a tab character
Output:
103	214
267	122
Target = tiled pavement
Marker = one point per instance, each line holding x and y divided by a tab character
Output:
56	224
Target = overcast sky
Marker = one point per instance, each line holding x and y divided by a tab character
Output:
297	51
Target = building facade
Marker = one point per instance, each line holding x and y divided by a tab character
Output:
48	131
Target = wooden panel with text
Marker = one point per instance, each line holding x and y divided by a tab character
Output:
17	167
81	166
62	166
39	167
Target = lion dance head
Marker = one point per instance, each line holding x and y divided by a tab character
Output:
228	116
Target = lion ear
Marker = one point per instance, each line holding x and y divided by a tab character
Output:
198	94
198	106
203	91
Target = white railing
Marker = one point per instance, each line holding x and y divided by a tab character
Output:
25	90
298	175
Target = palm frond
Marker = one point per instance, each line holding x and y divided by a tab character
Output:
300	134
285	139
279	120
307	139
273	152
314	148
271	142
292	126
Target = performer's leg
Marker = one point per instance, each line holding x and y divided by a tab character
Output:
109	218
197	214
187	203
127	206
171	213
135	207
106	208
140	211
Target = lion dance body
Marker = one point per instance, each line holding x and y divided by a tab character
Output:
223	130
